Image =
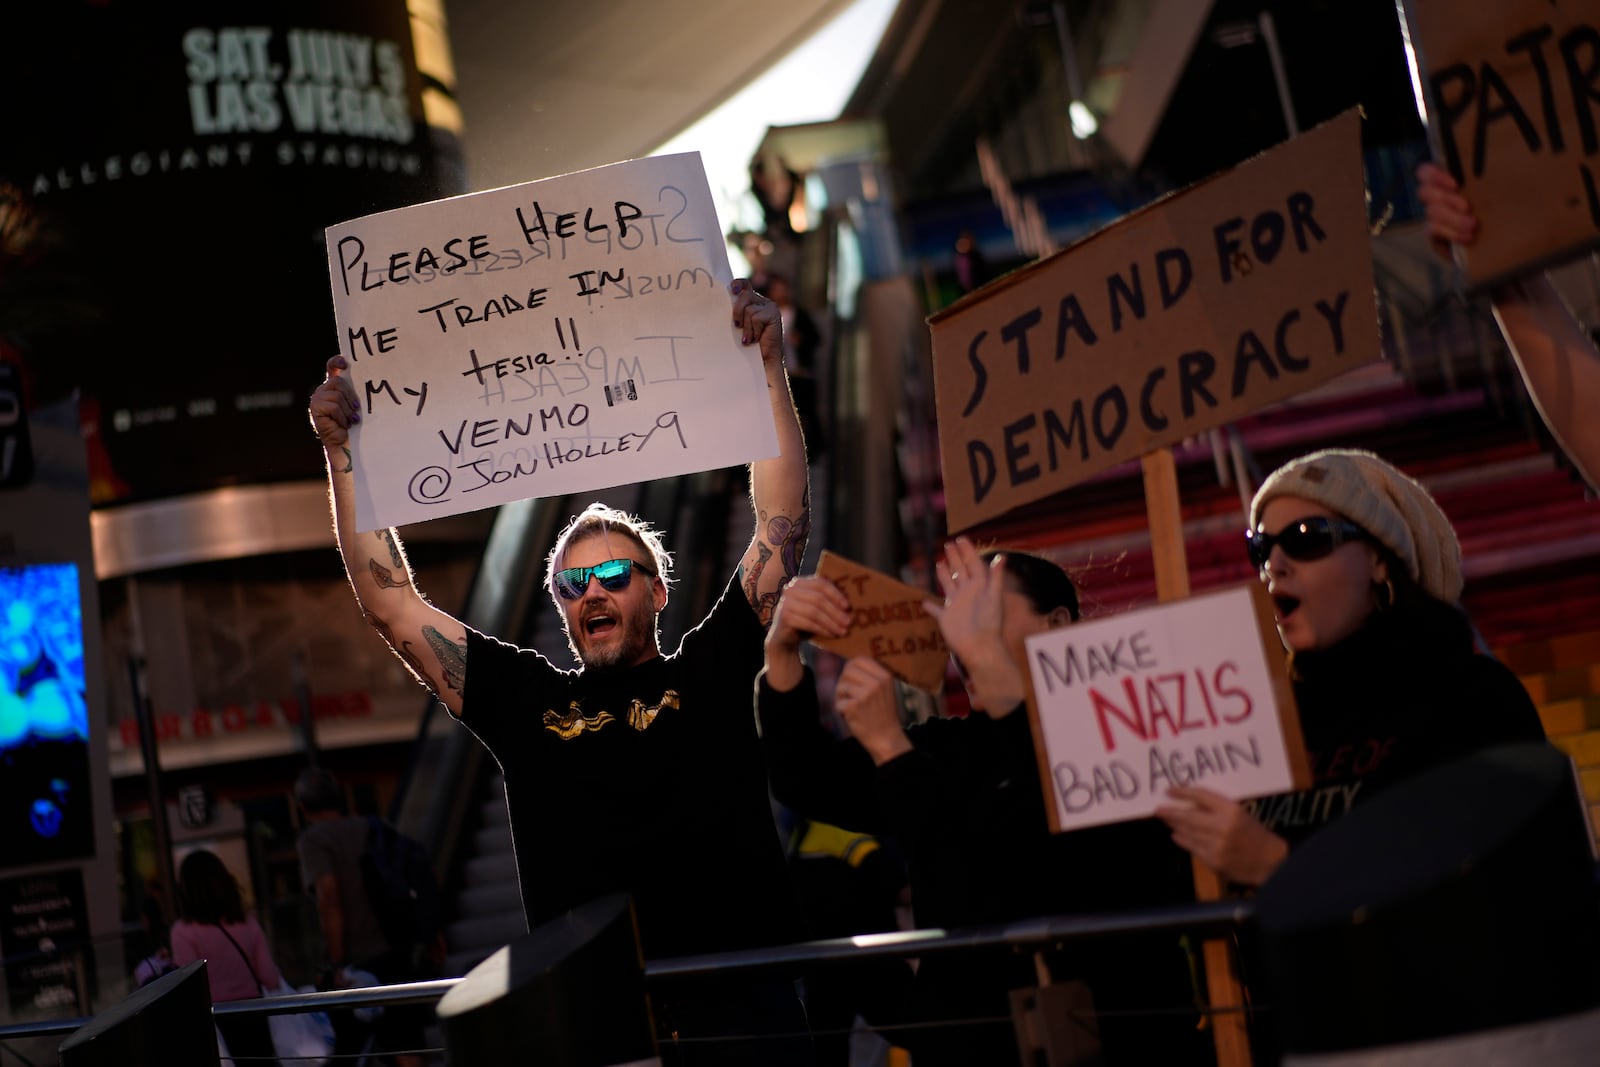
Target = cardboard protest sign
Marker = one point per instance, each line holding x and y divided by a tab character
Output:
887	624
1192	691
555	337
1238	292
1508	96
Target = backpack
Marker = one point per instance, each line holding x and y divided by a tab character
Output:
401	887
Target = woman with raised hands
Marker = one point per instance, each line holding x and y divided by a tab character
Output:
961	798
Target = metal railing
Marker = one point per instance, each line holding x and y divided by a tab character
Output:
1212	918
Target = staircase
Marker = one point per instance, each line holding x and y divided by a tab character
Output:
1529	530
1562	675
1448	407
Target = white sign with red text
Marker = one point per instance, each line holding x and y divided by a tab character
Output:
1191	692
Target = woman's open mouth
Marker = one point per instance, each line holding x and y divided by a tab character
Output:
1285	605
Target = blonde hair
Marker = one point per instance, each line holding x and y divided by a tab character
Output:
598	520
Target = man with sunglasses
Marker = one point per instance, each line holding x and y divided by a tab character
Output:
637	772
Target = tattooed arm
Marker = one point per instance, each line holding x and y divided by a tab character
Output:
779	491
432	644
1554	352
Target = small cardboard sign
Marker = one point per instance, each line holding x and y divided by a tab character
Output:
1507	94
1190	692
887	623
549	338
1238	292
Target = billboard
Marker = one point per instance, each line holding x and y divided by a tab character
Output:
165	178
45	808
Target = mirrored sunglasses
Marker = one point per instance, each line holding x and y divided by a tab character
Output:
614	576
1303	540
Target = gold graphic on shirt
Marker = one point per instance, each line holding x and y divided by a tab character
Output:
574	723
640	717
569	724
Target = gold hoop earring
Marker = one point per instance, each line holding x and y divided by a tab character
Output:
1384	593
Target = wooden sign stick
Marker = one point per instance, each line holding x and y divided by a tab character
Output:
1165	515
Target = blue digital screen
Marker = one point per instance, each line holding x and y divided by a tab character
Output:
44	716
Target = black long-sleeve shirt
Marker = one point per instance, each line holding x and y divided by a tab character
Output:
967	810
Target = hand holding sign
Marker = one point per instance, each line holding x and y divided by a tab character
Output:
1553	350
334	406
760	318
1221	834
812	606
866	699
1451	219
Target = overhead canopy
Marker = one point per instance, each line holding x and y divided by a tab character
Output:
546	89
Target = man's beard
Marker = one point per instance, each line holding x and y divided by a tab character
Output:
638	633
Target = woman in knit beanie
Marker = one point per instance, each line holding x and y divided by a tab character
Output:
1364	571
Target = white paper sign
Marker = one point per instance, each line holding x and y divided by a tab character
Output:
1186	693
555	337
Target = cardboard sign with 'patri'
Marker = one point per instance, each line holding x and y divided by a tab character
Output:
1508	90
1191	692
887	623
555	337
1240	291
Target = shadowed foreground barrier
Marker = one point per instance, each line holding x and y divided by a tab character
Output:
1451	920
1457	902
167	1022
1210	918
570	993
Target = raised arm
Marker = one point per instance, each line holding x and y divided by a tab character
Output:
1555	355
811	771
1559	365
431	643
972	620
779	490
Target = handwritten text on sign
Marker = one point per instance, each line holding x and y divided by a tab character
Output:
548	338
1190	692
887	623
1238	292
1511	100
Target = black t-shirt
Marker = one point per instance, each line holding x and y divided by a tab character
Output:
647	780
1405	693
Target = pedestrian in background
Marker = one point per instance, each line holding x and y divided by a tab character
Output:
214	926
331	848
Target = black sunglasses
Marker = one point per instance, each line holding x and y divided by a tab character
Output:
1304	539
614	575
